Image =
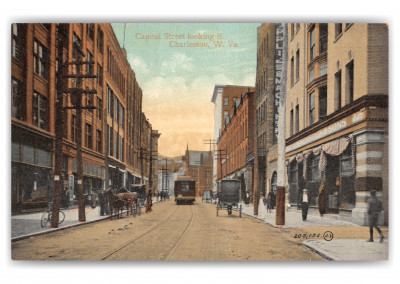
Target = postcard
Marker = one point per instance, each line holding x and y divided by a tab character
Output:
199	141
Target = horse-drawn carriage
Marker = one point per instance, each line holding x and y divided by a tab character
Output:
140	190
121	200
164	195
229	196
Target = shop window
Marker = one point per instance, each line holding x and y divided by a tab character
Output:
40	61
338	90
28	154
15	152
322	99
44	158
40	111
293	181
312	43
17	98
311	109
323	38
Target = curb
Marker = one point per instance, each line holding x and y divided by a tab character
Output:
317	252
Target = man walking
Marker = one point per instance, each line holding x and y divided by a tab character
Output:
374	208
304	205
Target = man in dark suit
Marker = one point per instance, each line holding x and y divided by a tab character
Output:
374	208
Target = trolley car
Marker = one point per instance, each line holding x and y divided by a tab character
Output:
184	190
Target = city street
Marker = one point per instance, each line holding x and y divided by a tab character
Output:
169	232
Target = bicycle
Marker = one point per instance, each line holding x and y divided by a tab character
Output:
47	216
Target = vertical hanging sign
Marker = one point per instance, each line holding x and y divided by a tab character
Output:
280	36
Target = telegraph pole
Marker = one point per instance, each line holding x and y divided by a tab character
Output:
58	181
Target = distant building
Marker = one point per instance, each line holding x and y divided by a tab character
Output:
198	165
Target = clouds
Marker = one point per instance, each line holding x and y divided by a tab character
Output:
178	62
138	64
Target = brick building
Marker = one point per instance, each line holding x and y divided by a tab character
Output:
110	131
270	68
337	114
237	141
198	166
225	98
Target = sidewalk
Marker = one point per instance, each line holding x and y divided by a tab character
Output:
26	225
336	249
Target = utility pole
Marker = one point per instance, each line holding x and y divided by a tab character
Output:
58	166
76	93
221	153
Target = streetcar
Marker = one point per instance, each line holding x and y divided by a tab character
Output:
184	190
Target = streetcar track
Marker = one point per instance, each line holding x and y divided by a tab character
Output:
139	237
183	234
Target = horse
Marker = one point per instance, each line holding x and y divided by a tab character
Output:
130	199
116	203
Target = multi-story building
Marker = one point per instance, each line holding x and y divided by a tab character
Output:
153	156
198	166
225	97
270	68
109	130
337	115
237	141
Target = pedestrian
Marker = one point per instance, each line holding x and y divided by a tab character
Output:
373	210
247	199
322	199
304	205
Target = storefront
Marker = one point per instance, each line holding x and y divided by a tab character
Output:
346	153
32	184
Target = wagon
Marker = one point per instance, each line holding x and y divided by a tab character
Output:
140	189
229	196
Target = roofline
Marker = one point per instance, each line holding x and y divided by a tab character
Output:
214	96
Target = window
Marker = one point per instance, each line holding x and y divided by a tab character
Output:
89	58
40	111
313	174
88	136
17	96
115	145
121	149
100	40
116	103
297	65
110	97
226	101
322	99
292	71
77	43
40	59
73	128
323	69
297	120
297	27
99	141
122	117
99	108
338	30
311	108
348	25
291	122
16	41
350	82
312	43
99	75
291	31
110	141
90	31
311	75
338	90
323	38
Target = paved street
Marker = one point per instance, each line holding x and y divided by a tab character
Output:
169	232
172	232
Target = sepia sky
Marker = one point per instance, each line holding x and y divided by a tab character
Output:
178	81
